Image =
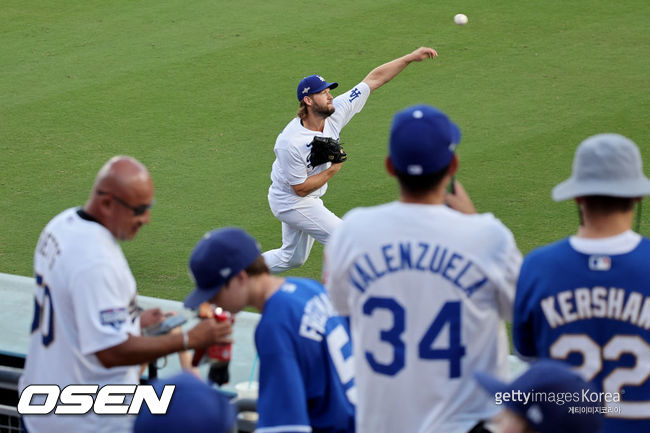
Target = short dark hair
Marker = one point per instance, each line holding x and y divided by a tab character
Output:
258	267
603	204
422	184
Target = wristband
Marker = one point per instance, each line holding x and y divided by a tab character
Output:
186	340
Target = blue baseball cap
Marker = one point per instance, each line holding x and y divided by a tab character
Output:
553	389
194	407
313	84
217	257
422	140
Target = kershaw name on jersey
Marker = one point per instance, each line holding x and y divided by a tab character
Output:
585	303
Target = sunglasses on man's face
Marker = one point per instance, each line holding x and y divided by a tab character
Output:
137	210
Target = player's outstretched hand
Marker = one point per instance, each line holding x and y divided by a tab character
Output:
459	200
423	53
208	332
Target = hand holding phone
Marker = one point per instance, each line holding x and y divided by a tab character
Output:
165	326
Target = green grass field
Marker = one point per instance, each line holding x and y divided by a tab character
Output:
198	90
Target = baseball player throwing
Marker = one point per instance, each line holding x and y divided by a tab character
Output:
297	183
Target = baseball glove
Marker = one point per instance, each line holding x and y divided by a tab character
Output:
326	149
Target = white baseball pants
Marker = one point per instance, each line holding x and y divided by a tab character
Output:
308	220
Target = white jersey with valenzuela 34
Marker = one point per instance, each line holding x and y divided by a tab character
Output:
427	290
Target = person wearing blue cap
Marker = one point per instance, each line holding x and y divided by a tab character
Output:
547	398
297	185
428	284
586	298
306	380
195	407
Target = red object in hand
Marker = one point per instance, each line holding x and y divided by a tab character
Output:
219	353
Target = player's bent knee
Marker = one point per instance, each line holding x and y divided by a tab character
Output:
295	260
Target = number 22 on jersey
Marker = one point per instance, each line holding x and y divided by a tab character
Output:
593	356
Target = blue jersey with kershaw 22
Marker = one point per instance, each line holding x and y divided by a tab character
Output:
306	365
587	301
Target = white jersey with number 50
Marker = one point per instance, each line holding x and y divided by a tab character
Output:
84	302
427	290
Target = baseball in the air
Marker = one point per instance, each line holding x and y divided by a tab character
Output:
460	19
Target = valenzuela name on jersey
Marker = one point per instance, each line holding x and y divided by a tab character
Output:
418	256
600	302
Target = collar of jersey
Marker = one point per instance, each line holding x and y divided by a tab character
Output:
613	245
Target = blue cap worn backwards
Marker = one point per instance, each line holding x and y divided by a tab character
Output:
194	407
313	84
544	394
217	257
422	140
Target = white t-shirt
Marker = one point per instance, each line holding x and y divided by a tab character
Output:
427	290
292	149
86	296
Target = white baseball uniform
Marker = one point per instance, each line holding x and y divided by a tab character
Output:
85	301
305	218
427	290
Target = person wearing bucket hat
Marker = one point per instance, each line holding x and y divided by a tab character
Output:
306	380
297	185
547	398
194	407
586	298
428	285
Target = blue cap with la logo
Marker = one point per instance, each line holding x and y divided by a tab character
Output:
313	84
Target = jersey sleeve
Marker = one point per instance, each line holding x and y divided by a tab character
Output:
508	264
522	323
282	401
512	264
349	103
101	308
291	164
336	268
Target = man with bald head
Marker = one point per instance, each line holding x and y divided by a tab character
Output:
86	327
122	196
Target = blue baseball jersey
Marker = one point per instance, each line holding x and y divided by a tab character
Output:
306	366
587	301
